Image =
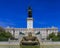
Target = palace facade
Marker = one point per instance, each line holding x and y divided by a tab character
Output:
44	32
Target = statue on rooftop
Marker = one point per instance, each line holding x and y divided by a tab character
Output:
29	12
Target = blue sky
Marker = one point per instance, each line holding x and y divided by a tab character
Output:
46	13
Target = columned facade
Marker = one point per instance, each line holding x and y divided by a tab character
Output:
44	32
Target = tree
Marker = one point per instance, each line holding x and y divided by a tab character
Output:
58	35
8	35
2	29
52	36
4	36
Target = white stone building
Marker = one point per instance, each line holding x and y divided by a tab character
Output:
43	31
